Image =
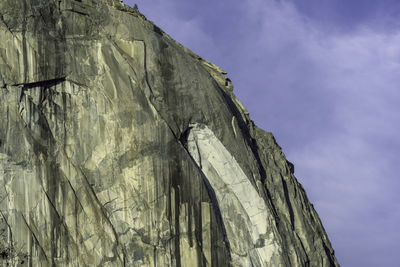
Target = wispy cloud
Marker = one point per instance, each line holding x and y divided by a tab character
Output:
340	93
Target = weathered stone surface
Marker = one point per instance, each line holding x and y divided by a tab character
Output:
120	147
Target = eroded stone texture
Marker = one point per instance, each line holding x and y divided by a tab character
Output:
120	147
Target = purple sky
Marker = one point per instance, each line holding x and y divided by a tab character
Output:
324	77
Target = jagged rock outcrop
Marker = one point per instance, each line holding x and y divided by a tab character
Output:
120	147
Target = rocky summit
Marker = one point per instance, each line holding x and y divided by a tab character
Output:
121	147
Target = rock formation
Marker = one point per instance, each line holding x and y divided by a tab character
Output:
120	147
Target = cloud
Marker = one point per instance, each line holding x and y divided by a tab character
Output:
338	96
172	17
330	97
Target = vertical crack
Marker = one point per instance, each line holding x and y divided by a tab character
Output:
36	239
288	202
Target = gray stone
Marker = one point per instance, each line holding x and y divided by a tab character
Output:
120	147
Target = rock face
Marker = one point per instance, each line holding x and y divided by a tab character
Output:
120	147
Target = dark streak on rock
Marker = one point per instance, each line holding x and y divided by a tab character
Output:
43	84
157	30
288	202
252	143
174	78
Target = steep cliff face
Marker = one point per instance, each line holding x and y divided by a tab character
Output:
120	147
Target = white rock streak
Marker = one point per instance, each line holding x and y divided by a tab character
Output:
238	200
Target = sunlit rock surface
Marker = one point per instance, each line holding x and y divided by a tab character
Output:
120	147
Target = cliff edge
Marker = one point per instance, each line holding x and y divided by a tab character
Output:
120	147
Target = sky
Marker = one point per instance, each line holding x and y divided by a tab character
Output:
324	77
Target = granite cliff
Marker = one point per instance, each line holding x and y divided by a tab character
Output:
120	147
